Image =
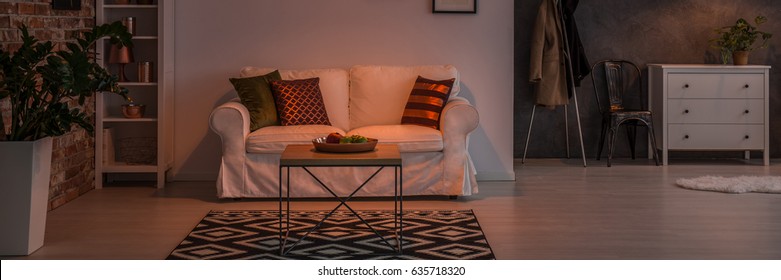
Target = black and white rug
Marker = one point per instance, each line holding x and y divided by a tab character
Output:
433	235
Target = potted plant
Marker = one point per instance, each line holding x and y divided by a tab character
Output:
132	110
40	84
738	40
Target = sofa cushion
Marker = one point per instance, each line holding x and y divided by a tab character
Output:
299	102
378	94
426	101
409	138
255	94
274	139
334	85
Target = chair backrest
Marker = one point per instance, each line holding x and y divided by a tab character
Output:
618	81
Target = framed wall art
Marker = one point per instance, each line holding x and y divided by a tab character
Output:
454	6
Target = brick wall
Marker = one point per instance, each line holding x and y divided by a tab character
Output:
73	166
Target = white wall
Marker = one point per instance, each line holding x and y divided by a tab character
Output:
214	39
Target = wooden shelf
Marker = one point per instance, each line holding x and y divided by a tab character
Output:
145	37
123	119
129	6
140	37
137	84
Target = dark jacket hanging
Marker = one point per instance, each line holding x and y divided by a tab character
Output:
580	65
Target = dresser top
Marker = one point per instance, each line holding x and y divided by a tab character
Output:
707	66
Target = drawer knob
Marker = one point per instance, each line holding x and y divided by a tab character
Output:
686	86
686	137
746	86
686	111
746	137
746	111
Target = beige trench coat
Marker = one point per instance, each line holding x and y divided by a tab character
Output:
548	71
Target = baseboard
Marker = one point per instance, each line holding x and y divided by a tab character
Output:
194	177
495	176
481	176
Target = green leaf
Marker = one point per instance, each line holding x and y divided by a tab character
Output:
740	37
40	82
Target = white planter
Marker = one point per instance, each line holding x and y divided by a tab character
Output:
25	168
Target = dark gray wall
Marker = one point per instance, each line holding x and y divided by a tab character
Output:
648	31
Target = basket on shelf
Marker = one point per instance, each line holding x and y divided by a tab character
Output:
138	150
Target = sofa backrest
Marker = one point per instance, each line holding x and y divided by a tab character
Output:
334	85
378	94
367	94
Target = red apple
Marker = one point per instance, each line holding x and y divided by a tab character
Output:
333	138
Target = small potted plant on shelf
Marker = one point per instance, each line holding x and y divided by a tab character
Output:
739	39
40	84
131	110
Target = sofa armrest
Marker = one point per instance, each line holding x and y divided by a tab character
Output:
459	118
231	122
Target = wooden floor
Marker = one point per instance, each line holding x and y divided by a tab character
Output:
556	209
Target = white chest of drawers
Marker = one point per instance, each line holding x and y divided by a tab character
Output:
710	107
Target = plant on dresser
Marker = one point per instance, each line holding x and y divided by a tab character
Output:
739	39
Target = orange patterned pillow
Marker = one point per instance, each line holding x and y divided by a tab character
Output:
426	101
299	102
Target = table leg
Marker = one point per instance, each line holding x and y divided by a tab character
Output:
401	209
396	221
284	233
287	206
281	246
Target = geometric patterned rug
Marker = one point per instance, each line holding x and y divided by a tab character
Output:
428	235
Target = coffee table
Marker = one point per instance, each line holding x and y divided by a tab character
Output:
305	156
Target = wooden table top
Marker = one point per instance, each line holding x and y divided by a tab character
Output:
305	155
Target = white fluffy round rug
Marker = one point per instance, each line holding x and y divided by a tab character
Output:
740	184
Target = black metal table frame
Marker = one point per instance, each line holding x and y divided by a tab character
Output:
398	227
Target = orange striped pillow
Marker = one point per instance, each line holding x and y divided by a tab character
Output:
426	101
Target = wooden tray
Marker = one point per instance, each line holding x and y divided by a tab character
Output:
322	146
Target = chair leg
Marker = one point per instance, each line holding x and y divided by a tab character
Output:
631	134
601	140
611	136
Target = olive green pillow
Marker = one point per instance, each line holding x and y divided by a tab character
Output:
255	94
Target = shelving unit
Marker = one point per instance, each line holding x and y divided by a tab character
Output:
153	42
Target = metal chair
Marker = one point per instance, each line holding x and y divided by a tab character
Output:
617	80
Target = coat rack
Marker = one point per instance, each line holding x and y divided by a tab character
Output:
571	84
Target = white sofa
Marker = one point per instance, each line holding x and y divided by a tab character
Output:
364	100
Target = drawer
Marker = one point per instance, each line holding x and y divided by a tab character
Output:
716	111
715	137
715	85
